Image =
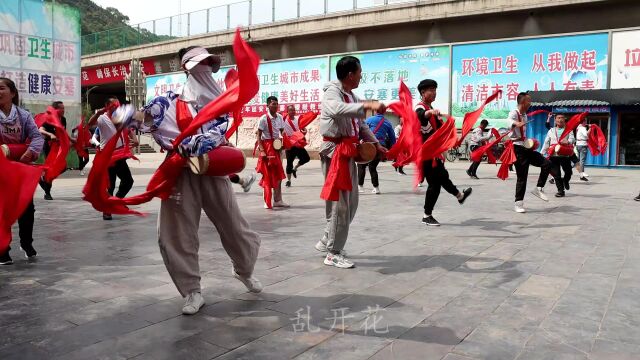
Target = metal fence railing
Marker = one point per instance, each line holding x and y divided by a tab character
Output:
219	18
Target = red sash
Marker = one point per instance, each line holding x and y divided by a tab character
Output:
339	176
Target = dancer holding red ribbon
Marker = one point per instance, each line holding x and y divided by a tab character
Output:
342	128
118	167
297	135
433	168
270	135
478	138
559	148
523	153
194	124
20	138
49	132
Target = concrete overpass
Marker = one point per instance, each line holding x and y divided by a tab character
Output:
410	24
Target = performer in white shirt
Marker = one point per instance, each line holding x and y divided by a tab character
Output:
478	138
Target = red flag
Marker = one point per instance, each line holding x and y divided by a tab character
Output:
572	124
596	140
508	157
472	117
16	193
163	180
441	140
56	161
408	145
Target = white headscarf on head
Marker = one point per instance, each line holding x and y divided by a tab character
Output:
200	87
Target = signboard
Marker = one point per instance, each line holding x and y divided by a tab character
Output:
159	84
581	109
294	82
625	60
112	73
383	70
555	63
40	50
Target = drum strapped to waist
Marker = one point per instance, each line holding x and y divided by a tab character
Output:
531	144
221	161
277	144
13	151
563	150
366	152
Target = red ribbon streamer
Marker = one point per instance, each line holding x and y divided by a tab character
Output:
508	157
408	145
472	117
572	124
82	140
441	140
16	193
596	140
56	161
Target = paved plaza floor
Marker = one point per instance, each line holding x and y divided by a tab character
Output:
559	282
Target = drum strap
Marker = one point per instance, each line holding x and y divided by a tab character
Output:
523	129
291	124
353	121
270	126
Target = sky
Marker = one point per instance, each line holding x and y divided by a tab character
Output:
144	10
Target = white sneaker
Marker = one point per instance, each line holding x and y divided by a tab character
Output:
584	174
540	193
360	189
83	172
338	260
248	181
320	246
519	208
253	285
265	206
375	191
419	184
194	303
281	204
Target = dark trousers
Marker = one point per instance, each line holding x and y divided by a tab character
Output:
296	152
82	162
474	165
564	163
437	177
25	226
120	170
524	158
373	170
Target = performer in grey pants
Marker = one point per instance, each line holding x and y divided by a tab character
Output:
339	213
178	223
179	216
341	124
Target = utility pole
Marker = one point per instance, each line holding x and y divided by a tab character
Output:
135	88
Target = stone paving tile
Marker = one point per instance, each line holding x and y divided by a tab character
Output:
605	349
554	283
